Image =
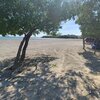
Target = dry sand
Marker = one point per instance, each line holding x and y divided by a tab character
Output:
64	71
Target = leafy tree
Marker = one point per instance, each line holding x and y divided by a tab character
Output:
89	19
18	17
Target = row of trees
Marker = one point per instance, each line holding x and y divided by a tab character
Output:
33	16
63	36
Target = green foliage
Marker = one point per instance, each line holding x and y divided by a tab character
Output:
89	18
19	16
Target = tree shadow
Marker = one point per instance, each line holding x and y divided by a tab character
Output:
92	62
43	84
28	62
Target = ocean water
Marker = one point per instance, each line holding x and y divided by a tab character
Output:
16	38
11	38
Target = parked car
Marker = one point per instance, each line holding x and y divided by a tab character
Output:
96	45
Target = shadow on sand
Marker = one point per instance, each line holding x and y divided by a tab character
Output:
28	62
93	62
44	84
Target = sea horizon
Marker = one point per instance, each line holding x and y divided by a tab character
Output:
16	38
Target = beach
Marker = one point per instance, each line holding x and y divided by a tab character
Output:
64	71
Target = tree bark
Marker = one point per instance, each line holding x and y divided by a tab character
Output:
22	50
19	52
84	43
95	47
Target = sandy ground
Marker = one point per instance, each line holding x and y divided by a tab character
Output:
64	71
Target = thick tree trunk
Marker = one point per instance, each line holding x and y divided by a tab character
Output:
22	50
19	52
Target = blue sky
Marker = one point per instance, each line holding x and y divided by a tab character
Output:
68	28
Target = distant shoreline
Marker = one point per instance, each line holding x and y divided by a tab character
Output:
64	37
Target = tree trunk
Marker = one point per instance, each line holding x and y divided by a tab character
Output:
84	43
95	48
22	50
19	52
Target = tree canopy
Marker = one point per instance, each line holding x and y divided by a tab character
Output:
18	16
89	18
